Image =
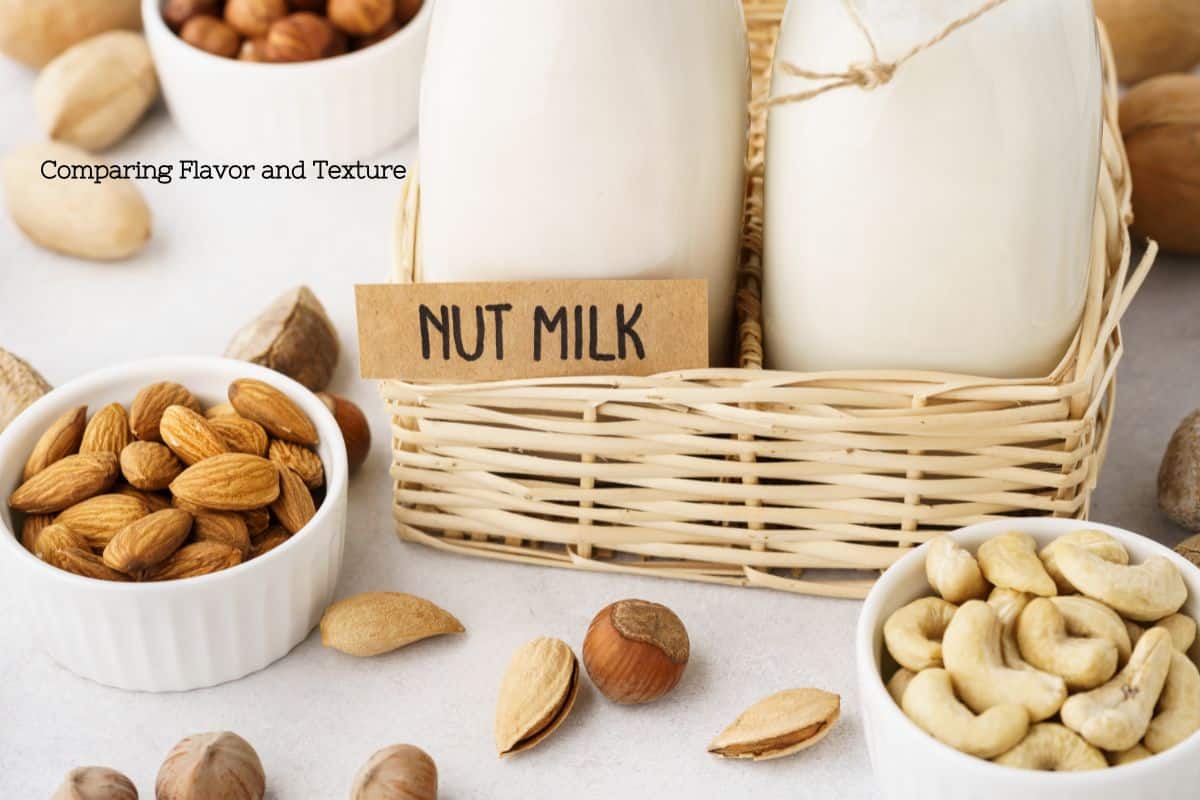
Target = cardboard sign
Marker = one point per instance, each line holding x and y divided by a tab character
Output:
531	329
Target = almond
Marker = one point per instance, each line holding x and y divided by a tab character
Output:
66	482
268	540
149	466
229	482
220	410
153	501
536	694
32	527
378	622
197	558
240	434
226	527
57	537
85	563
301	460
148	542
257	520
189	435
60	440
271	408
294	507
145	414
99	518
108	432
779	725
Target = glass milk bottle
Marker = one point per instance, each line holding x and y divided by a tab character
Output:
586	139
941	220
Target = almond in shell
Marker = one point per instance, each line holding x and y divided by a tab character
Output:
779	725
301	460
66	482
536	694
271	408
240	434
226	527
107	432
148	542
99	518
149	466
197	558
294	507
85	563
60	440
57	537
378	622
189	435
145	414
229	482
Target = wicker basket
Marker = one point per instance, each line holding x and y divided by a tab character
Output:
810	483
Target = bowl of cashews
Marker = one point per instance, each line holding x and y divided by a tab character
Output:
994	655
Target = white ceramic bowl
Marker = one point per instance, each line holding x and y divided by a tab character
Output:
349	107
182	634
911	765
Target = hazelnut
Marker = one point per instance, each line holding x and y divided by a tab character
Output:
361	17
406	10
635	651
211	766
254	50
176	13
211	35
303	37
399	772
253	17
390	27
353	424
95	783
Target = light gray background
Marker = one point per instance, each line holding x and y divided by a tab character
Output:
220	251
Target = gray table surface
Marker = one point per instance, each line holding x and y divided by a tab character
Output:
220	250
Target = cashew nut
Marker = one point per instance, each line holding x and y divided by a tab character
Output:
1182	629
1178	714
929	701
1087	618
914	633
898	683
953	572
1083	662
1052	748
1008	605
1098	542
1116	715
1011	561
1135	753
972	653
1148	591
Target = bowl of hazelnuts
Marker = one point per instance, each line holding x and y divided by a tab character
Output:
280	80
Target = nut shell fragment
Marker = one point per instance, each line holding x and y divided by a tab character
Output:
536	694
373	623
294	336
779	725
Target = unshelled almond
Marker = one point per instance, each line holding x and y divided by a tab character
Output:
294	507
66	482
229	482
301	460
145	414
378	622
189	435
536	694
107	432
56	537
148	542
149	466
192	560
85	563
60	440
226	527
240	434
274	410
99	518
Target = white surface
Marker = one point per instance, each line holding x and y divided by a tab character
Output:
220	251
178	634
911	765
577	99
975	169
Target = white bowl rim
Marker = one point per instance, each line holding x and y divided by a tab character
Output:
1188	749
336	478
152	18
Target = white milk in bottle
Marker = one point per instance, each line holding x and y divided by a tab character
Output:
586	139
941	220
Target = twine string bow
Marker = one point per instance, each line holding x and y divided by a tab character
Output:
870	74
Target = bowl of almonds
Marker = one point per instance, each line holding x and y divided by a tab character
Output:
173	523
273	80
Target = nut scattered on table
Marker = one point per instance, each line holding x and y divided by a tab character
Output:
536	694
95	783
20	385
399	772
295	336
635	651
1179	475
374	623
780	725
211	766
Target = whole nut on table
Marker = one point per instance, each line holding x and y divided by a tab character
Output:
211	766
1179	474
399	772
635	651
95	783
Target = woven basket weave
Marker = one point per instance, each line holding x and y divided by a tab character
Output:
810	483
